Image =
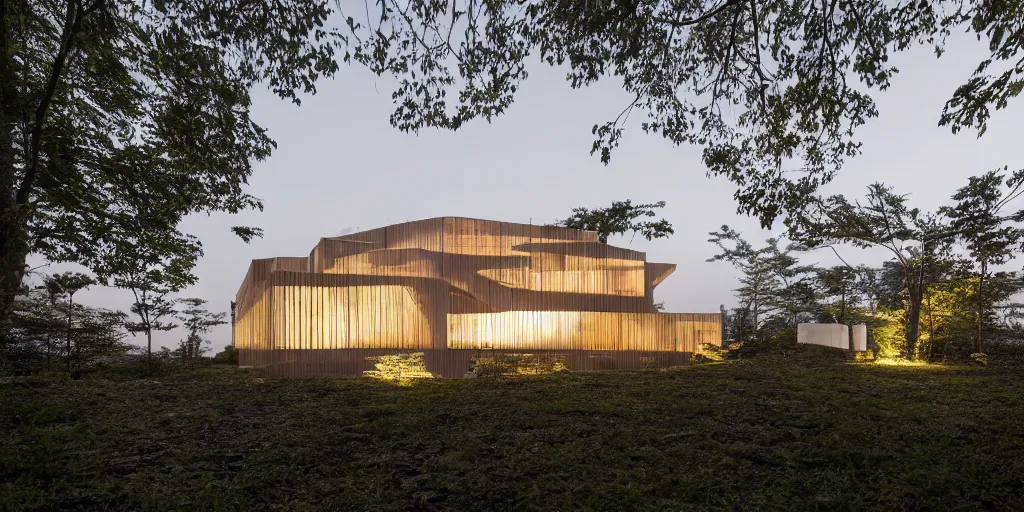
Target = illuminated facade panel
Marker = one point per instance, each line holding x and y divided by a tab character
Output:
455	288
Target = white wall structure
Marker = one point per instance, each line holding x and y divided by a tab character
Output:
826	335
860	337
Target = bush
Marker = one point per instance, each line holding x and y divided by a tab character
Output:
890	338
1004	352
400	368
136	365
770	339
714	353
496	364
227	356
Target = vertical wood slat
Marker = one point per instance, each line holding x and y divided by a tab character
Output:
454	288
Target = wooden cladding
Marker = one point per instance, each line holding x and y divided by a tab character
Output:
455	288
583	330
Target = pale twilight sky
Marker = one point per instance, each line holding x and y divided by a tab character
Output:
339	165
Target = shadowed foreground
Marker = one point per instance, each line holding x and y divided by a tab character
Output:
766	434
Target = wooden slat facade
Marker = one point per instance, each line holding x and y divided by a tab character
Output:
455	289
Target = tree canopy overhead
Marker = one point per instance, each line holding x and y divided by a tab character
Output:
113	111
772	90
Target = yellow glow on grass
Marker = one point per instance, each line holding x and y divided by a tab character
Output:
901	362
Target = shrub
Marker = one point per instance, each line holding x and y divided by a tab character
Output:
135	365
890	337
400	368
227	356
495	364
714	353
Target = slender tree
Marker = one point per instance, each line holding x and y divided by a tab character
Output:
757	282
772	279
54	294
68	284
198	321
840	282
151	306
150	261
797	294
990	237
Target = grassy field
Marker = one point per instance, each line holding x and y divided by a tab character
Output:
767	434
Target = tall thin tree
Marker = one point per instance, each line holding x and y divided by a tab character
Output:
991	237
68	283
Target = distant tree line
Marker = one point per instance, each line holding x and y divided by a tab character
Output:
50	332
944	293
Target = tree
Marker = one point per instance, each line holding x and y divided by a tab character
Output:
151	305
105	100
773	283
36	320
150	262
769	89
880	287
198	321
620	218
840	282
990	238
99	335
739	325
797	295
758	282
227	356
883	220
54	294
67	284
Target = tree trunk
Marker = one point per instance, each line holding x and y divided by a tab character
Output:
13	242
915	292
70	309
755	314
981	306
15	194
842	309
149	351
76	370
913	319
931	328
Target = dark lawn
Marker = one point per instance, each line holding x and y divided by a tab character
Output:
760	434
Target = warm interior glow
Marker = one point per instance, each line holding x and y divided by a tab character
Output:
607	282
449	288
386	316
576	330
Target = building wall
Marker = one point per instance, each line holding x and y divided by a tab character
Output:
583	330
454	288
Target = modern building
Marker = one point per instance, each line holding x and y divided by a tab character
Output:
456	289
